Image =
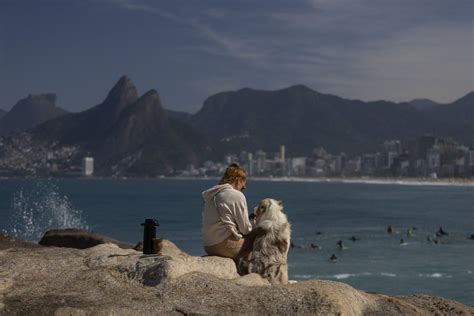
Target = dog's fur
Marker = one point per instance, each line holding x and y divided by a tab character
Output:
269	242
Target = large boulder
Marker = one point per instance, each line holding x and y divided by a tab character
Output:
77	238
151	270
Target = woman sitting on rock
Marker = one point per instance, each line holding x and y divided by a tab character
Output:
225	219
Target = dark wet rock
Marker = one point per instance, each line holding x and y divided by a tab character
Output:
77	238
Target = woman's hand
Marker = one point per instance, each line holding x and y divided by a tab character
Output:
253	219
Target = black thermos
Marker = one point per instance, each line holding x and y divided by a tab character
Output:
149	233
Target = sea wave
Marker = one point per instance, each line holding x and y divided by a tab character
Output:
434	275
302	276
342	276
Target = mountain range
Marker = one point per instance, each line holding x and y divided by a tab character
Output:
304	119
129	134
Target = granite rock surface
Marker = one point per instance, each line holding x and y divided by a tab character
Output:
109	280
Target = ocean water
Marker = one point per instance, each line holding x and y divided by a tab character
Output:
320	213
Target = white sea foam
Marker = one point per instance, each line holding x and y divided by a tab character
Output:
434	275
302	276
342	276
36	210
350	275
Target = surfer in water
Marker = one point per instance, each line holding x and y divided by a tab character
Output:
390	229
441	232
292	245
341	246
354	238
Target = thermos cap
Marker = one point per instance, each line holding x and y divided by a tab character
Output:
151	222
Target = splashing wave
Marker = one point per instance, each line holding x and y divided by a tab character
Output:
40	208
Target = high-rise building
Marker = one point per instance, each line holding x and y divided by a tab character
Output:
261	158
88	166
282	153
370	163
283	160
296	166
250	164
433	158
393	146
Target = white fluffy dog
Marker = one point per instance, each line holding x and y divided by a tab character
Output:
269	242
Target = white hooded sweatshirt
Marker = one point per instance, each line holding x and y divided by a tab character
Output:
225	214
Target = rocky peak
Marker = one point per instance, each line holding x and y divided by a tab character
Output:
467	99
45	97
147	110
422	103
29	112
37	100
123	94
151	96
124	90
299	88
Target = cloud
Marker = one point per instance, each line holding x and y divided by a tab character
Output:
429	60
224	45
358	48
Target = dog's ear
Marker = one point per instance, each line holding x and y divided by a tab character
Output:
266	203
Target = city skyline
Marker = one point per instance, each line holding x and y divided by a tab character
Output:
428	157
356	49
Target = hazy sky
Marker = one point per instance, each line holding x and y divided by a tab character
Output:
188	50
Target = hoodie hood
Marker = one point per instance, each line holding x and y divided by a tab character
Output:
212	192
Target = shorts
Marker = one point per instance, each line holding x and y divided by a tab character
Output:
229	248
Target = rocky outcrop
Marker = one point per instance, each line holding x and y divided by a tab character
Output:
109	280
7	242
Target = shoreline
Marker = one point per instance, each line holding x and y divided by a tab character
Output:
375	180
355	180
361	180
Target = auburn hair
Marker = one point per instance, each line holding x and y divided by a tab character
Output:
233	173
